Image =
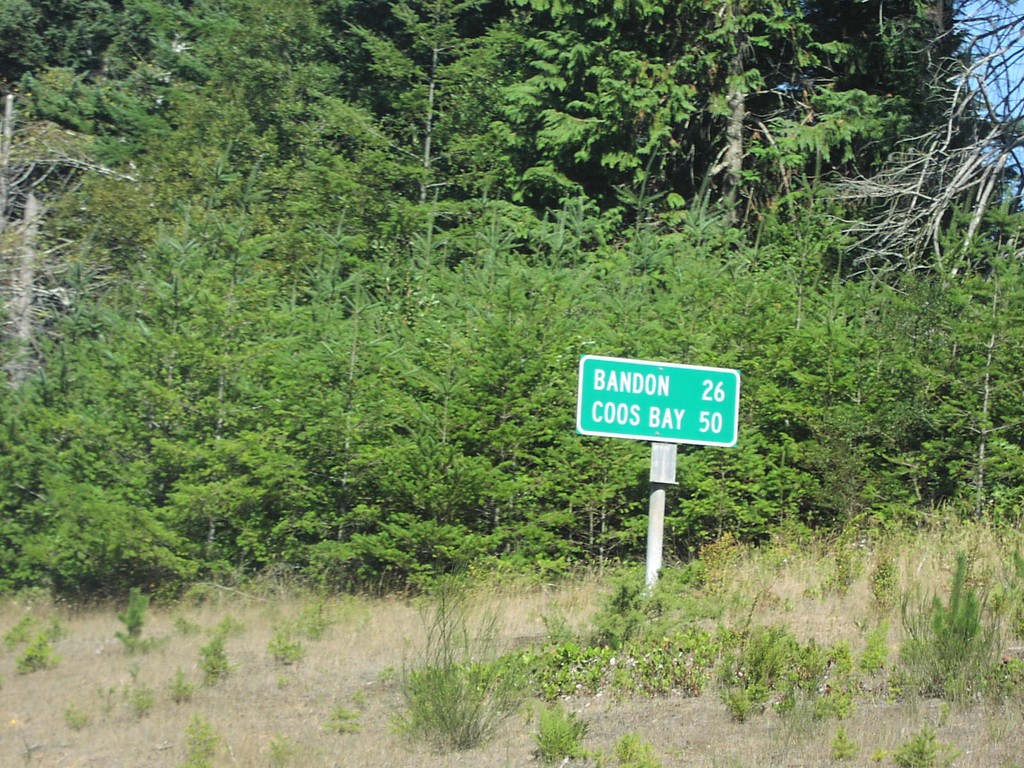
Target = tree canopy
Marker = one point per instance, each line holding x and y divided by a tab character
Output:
302	285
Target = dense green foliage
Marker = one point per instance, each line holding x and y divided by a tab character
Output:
313	284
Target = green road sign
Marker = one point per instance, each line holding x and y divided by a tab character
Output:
660	402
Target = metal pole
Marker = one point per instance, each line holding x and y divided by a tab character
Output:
655	533
663	474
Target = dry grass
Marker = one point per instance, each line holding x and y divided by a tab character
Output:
85	711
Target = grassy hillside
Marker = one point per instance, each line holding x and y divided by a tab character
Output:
263	676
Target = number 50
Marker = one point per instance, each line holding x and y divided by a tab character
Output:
710	422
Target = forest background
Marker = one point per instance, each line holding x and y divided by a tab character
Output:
301	286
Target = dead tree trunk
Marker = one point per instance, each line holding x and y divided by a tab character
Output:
22	291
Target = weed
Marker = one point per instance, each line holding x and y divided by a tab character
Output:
1008	595
282	750
633	751
229	626
141	700
186	628
107	696
182	689
952	648
76	718
843	747
681	664
38	655
559	734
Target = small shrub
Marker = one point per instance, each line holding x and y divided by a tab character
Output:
843	747
923	750
141	700
343	721
755	669
719	560
76	718
457	706
885	586
282	751
953	647
626	612
285	649
836	705
201	744
182	689
185	627
846	568
633	751
453	701
134	618
875	656
20	633
559	734
38	655
213	660
314	621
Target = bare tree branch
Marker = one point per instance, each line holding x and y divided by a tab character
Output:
37	161
970	162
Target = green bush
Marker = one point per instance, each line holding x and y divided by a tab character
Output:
952	648
923	750
201	744
141	700
875	655
343	720
182	689
76	717
38	655
213	659
633	751
885	582
843	747
133	618
626	612
285	648
681	664
767	666
559	734
453	701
